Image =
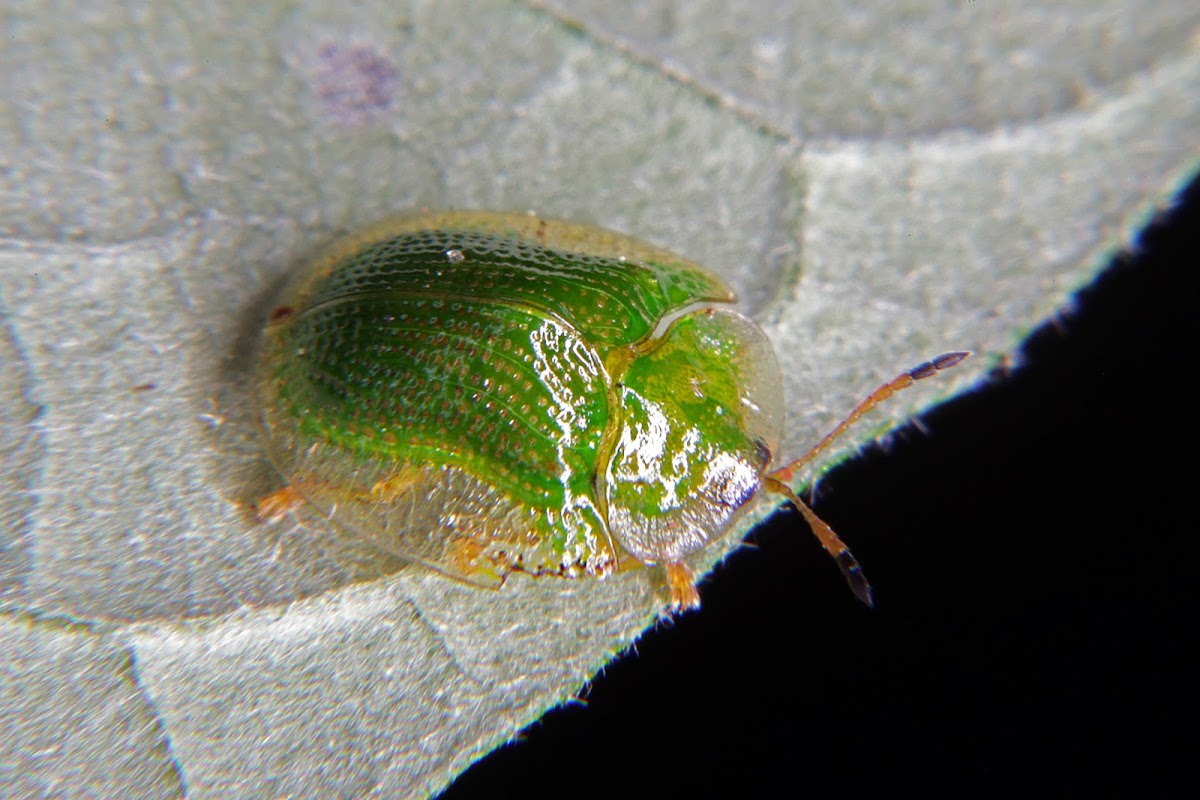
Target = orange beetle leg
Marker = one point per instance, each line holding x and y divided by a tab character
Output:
682	586
277	505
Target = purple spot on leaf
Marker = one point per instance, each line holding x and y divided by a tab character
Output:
354	82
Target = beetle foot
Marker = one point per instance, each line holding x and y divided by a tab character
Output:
277	505
682	585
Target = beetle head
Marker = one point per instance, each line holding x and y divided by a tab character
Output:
700	418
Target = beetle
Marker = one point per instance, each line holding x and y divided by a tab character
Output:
490	393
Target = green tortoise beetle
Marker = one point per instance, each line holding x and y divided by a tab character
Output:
490	393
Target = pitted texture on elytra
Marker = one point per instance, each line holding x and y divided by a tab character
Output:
492	389
612	301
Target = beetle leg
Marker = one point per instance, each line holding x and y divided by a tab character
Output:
278	504
468	558
682	585
832	543
786	473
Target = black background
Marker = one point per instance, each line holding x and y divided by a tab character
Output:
1031	552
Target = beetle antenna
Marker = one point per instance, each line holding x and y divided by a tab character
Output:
779	481
832	543
786	473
